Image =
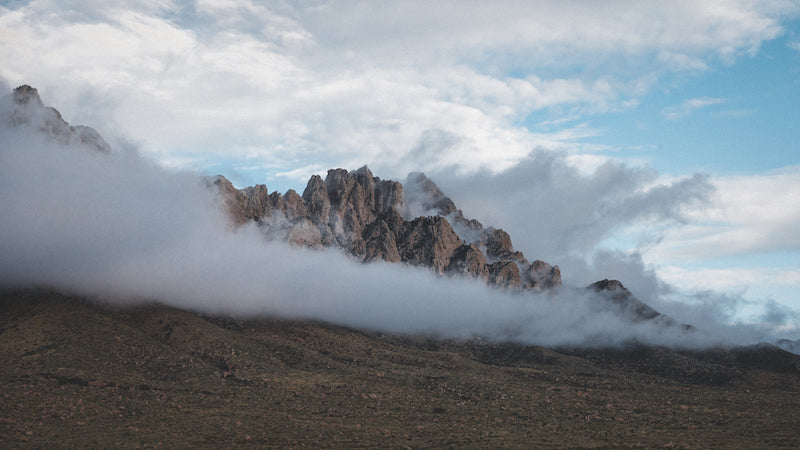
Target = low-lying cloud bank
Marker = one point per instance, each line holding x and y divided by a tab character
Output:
118	227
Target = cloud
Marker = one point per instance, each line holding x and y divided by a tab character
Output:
613	220
120	228
689	106
725	279
560	213
342	84
748	214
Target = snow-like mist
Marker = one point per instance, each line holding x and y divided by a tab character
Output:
120	228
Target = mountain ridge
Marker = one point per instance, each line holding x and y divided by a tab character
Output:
30	111
369	218
374	220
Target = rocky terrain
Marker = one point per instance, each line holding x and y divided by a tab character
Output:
78	374
372	219
29	111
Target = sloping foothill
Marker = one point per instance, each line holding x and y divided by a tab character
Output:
87	373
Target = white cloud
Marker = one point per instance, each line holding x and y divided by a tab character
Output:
347	83
564	214
117	227
749	214
302	86
689	106
730	279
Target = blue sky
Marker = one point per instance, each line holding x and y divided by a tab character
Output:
653	92
742	121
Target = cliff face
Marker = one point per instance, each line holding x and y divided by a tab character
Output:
371	219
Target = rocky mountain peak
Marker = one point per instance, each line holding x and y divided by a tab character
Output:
614	292
429	195
24	108
25	95
369	218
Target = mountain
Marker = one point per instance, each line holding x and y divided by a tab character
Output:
372	220
375	220
27	111
79	372
789	345
369	218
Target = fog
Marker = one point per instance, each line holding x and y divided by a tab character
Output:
117	227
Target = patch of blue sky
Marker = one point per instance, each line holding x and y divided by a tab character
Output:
785	259
246	172
732	119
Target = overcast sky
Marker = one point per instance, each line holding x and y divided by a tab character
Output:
663	133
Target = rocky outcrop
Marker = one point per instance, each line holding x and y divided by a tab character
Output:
369	218
504	274
541	275
468	260
428	241
24	108
615	293
430	197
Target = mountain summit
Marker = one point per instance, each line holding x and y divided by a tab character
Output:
374	220
371	219
24	108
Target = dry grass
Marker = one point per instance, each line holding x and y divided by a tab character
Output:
78	375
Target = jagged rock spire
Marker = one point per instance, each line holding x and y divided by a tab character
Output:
27	110
26	95
364	215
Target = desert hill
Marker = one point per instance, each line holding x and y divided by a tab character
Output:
81	374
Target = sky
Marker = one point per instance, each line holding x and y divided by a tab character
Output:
654	142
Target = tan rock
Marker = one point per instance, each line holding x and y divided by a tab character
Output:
468	260
541	275
504	274
428	241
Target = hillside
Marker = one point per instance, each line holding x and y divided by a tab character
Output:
84	374
140	365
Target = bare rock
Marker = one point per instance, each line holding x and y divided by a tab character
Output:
468	260
232	199
380	243
362	214
316	198
89	137
294	206
504	274
27	96
499	247
276	202
305	233
349	213
616	294
28	110
541	275
256	202
429	195
389	196
428	241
